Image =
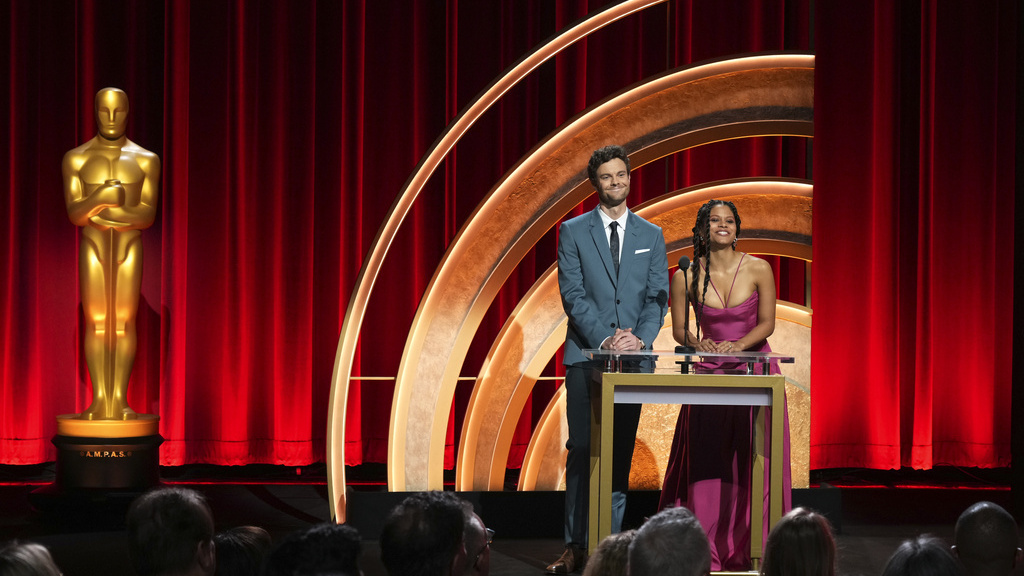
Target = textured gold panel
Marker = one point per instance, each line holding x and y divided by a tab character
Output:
653	441
547	449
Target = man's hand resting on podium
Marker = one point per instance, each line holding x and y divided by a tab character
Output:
623	340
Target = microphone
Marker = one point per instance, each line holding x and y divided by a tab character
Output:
662	299
684	265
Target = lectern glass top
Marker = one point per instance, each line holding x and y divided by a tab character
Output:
670	360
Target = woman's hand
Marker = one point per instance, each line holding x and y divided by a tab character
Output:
725	347
706	345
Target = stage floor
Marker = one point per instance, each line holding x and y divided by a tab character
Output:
876	517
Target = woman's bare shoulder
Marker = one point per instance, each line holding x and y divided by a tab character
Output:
757	268
678	279
755	263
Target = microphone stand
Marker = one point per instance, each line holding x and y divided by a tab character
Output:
684	366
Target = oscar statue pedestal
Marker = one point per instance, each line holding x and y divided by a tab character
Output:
102	465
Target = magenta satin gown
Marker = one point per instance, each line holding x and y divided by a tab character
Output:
709	466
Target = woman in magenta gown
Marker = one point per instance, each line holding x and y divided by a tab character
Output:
709	466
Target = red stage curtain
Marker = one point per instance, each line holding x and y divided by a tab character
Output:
286	130
913	243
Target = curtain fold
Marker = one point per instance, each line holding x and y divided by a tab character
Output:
40	248
912	331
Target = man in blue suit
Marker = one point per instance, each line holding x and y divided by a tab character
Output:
613	277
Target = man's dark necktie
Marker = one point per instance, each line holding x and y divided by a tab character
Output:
614	243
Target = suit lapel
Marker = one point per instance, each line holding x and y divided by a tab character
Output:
629	243
601	244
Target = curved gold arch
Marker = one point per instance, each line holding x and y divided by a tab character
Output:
776	220
356	310
544	462
757	95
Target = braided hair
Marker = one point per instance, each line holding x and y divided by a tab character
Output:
702	248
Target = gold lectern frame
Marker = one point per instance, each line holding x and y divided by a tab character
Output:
610	388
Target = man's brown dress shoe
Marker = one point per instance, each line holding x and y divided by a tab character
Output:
574	558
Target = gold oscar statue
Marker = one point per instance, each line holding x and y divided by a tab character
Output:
110	188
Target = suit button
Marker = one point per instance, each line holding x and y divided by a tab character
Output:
612	324
618	301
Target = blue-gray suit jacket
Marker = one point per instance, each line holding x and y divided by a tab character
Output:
597	302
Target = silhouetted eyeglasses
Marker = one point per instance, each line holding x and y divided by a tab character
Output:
490	538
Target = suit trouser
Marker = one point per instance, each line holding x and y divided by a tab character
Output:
577	462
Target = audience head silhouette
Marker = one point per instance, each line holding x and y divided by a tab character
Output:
423	536
986	540
26	559
670	542
611	556
800	544
477	540
326	548
241	550
170	532
922	556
